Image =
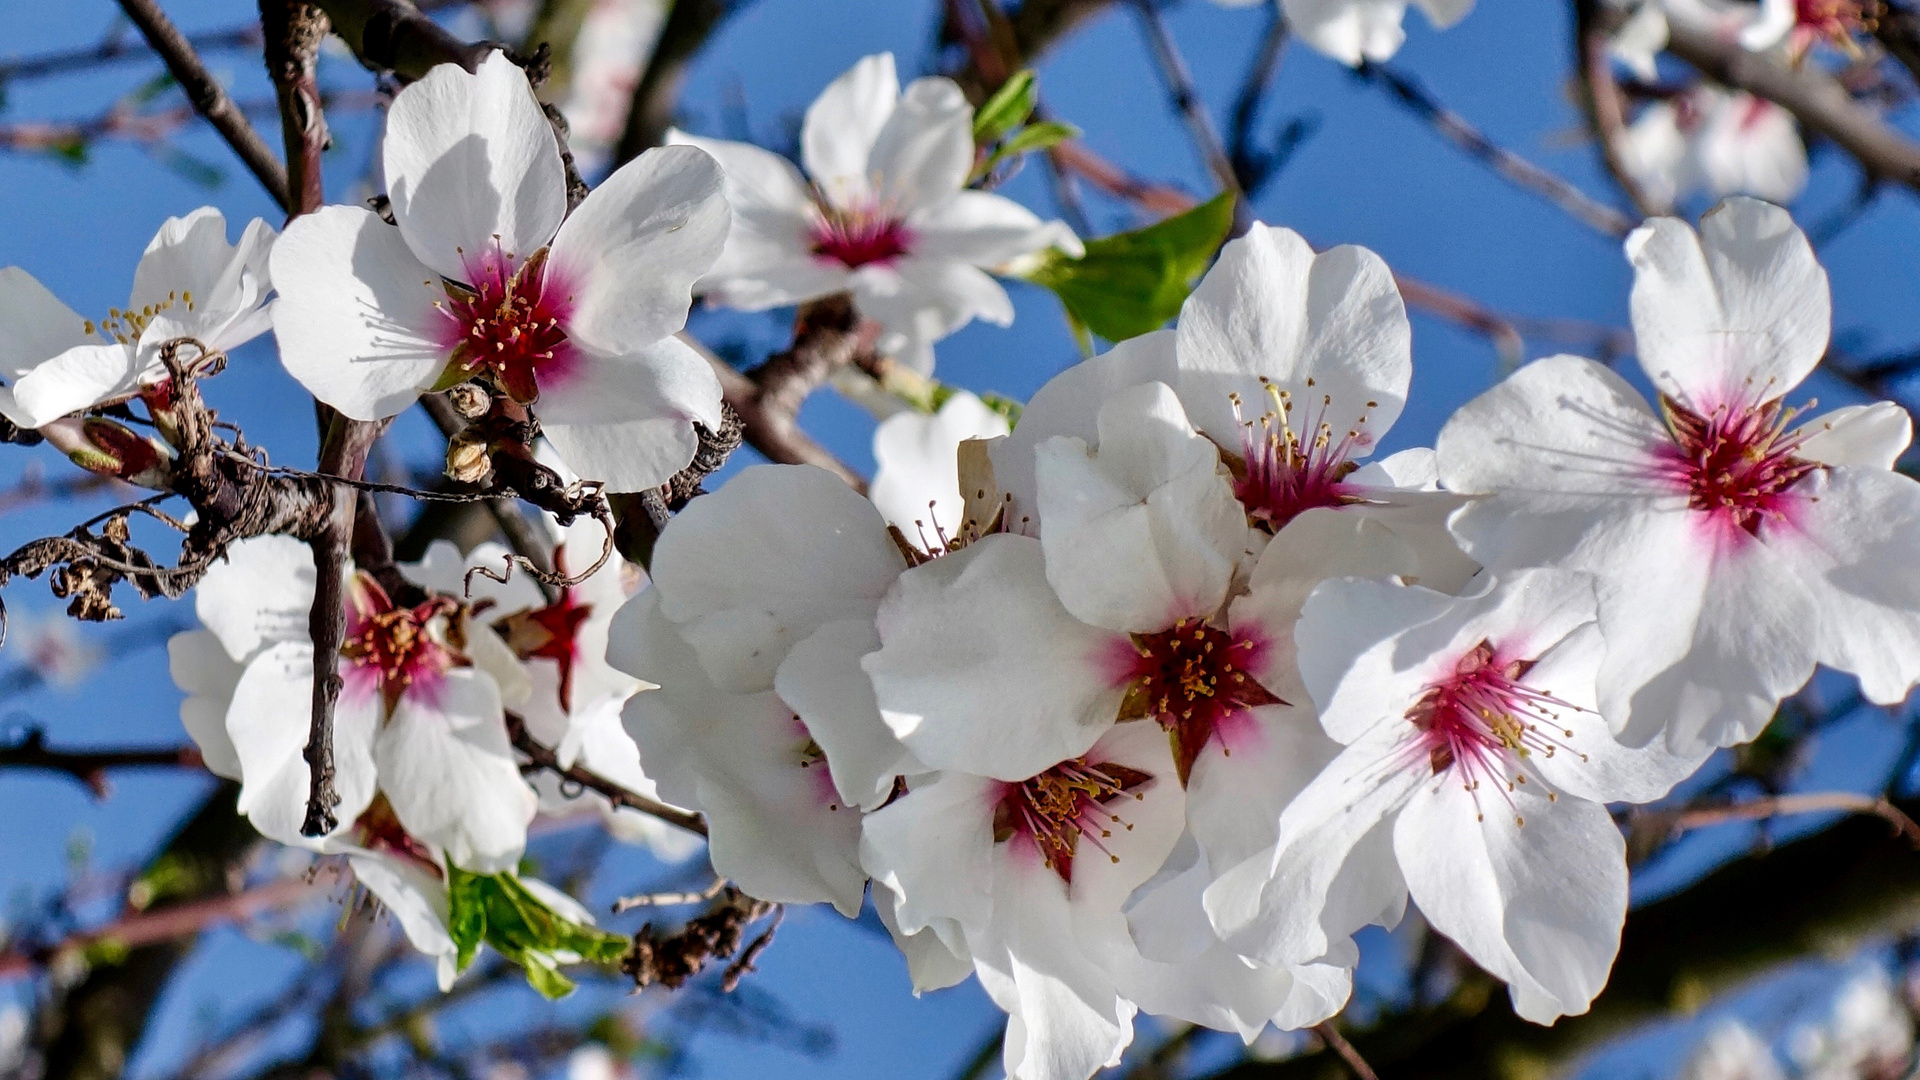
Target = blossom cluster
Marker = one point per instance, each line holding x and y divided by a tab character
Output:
1149	701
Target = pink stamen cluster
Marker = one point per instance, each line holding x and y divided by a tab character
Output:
1481	722
508	324
379	829
859	237
1289	472
1053	810
1836	21
1735	464
1195	680
390	648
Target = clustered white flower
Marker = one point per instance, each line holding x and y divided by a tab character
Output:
1152	702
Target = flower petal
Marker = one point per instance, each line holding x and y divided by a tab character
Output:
980	228
822	680
918	459
266	724
35	325
355	319
981	669
1860	559
80	378
1350	31
1871	435
630	254
201	667
1330	329
628	420
259	595
1736	315
448	769
924	152
471	163
836	140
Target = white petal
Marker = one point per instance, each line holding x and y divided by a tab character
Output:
201	667
1272	309
982	670
630	254
1737	315
1871	435
931	961
448	769
417	899
921	300
1069	404
1861	564
261	594
1445	13
981	228
471	162
355	319
34	325
200	286
923	154
822	680
628	420
768	260
933	849
837	138
1538	904
778	552
1350	31
918	459
267	724
1144	530
80	378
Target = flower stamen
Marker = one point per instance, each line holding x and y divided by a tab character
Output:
1057	808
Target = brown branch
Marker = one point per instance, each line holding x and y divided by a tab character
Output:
168	924
520	532
294	30
117	48
209	97
1601	99
392	35
1451	125
90	766
776	435
1685	818
543	757
657	94
121	121
1816	99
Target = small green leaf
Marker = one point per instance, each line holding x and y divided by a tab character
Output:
1028	139
1129	283
499	910
1007	109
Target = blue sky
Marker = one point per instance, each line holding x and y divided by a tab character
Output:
1370	175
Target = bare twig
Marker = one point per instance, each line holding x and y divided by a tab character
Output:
393	35
1600	96
294	30
789	377
209	97
1816	99
688	25
1684	819
116	48
90	766
1338	1042
1193	110
543	757
1408	92
178	921
669	899
1252	165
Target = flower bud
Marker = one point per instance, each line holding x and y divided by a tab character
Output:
110	449
470	400
468	460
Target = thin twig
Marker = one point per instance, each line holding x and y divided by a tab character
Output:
209	97
1348	1054
543	757
145	928
1253	166
90	766
294	30
1408	92
117	48
669	899
1687	818
1600	95
1192	109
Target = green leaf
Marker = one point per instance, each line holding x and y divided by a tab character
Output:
1027	140
1007	109
1129	283
499	910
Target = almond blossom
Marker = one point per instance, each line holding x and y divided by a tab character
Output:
883	212
1734	550
482	279
1718	142
1474	779
916	483
1357	31
190	283
418	727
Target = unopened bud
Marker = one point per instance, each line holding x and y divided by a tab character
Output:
470	400
106	447
468	461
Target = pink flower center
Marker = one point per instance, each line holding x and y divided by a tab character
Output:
1836	20
1482	722
390	648
507	324
1735	464
855	238
1054	810
1196	681
379	829
1288	472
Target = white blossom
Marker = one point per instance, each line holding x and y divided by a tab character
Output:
190	283
883	212
1722	143
482	278
1733	550
1355	31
